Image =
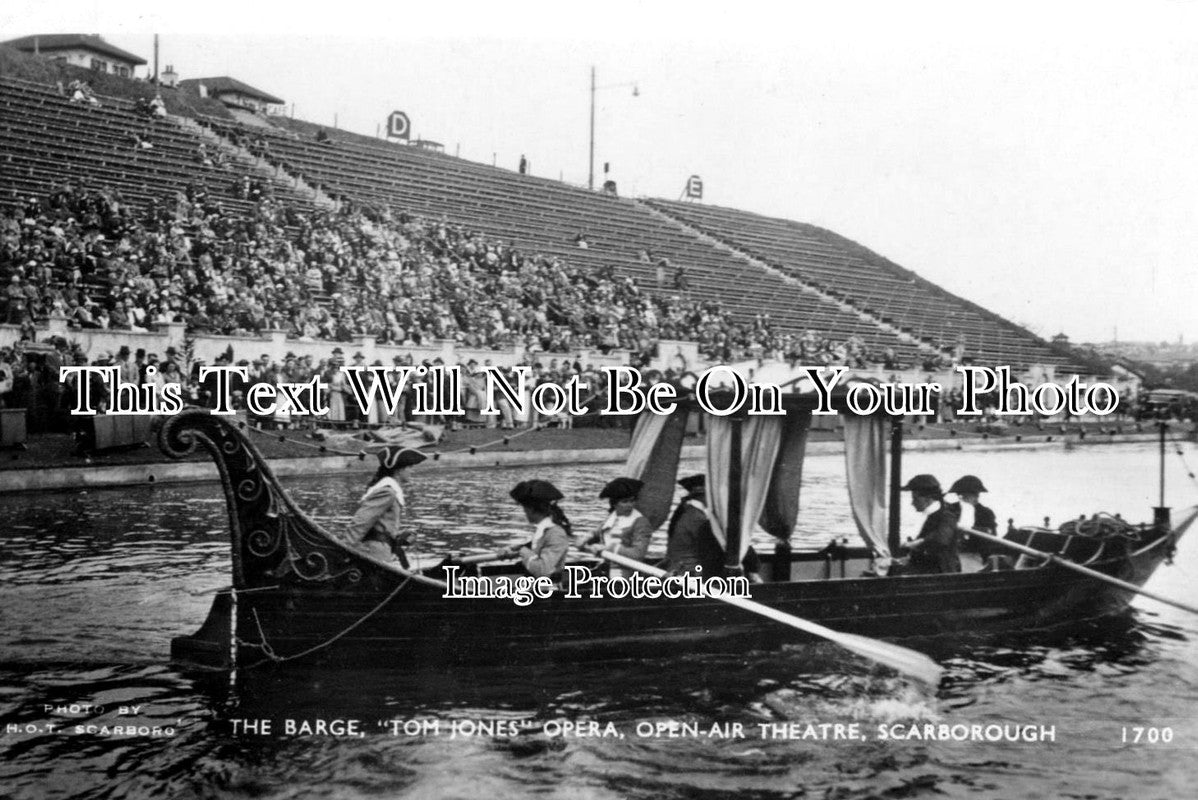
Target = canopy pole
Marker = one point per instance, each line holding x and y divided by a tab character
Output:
732	526
896	484
1160	514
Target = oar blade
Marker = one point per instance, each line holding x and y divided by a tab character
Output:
902	659
909	662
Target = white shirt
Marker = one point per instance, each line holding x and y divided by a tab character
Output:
968	512
539	532
614	526
390	484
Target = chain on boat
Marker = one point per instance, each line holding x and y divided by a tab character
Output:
273	657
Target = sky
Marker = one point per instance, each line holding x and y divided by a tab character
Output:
1035	158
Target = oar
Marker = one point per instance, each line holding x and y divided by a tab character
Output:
1091	573
503	555
482	558
903	659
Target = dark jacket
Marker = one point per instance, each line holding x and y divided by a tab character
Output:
985	521
691	542
935	549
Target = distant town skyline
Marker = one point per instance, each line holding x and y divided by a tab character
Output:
1040	170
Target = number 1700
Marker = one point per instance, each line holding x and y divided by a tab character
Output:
1135	735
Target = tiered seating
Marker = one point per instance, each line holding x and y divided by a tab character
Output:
46	139
849	271
544	216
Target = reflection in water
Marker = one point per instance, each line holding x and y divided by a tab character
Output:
96	583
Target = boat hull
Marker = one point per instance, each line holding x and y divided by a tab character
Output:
302	593
415	624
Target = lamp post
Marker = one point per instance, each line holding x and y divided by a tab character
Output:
636	92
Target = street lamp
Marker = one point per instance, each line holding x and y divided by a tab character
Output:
636	92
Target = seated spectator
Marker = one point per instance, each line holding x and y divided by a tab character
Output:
81	92
15	306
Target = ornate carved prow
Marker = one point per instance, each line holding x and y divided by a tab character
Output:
274	543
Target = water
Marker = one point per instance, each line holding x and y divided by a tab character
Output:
95	584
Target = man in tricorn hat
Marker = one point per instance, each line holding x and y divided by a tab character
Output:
691	546
974	516
625	532
375	525
545	554
935	549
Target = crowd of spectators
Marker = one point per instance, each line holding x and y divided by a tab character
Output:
86	254
30	379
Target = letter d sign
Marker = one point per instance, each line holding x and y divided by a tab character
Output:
398	125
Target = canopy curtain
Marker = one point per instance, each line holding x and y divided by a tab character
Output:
761	443
781	512
865	464
653	458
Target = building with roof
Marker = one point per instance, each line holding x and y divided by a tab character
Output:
80	50
232	92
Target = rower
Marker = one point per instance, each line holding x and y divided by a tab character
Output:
691	544
375	525
973	516
935	549
545	554
626	531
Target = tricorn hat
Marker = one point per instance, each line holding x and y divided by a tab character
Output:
967	484
693	483
393	456
528	491
621	489
924	484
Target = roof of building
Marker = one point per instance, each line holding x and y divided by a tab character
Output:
224	83
72	41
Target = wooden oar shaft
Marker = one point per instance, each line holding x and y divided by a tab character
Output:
1078	568
482	558
903	659
739	602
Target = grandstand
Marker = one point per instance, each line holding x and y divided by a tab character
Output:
545	216
876	286
47	140
804	278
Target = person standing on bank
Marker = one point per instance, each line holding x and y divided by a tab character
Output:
625	532
375	525
691	543
545	554
935	549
